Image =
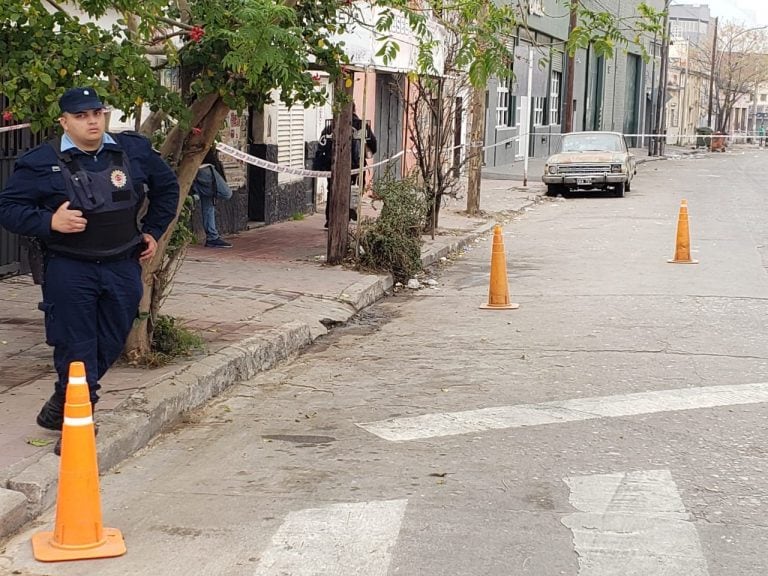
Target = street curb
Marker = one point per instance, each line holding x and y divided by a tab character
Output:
134	423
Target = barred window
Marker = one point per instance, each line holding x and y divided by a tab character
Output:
539	104
554	98
502	104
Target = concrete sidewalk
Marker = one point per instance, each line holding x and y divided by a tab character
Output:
255	305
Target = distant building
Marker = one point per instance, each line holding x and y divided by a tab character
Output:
691	22
691	30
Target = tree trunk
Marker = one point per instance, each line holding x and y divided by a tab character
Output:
475	161
152	123
185	150
432	219
341	166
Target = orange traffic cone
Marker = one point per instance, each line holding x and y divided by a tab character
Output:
683	245
78	534
498	292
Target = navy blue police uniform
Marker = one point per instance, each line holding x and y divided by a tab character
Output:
92	279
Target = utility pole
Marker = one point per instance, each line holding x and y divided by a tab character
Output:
570	71
662	94
652	140
341	177
712	75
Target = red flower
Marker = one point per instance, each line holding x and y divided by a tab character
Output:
8	116
196	131
197	33
316	78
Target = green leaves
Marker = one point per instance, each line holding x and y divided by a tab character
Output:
604	31
44	54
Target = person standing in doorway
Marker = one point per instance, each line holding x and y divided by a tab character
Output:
210	184
81	195
324	155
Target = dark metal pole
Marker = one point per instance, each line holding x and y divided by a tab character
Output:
651	140
570	71
662	94
712	75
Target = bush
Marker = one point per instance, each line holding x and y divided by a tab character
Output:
392	242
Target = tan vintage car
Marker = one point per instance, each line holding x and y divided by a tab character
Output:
590	161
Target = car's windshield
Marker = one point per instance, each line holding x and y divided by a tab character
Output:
590	142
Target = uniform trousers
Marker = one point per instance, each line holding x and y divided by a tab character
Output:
89	311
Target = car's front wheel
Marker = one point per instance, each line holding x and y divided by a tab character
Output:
555	189
618	190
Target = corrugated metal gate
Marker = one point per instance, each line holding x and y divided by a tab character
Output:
12	145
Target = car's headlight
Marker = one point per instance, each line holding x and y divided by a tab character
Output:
552	169
617	168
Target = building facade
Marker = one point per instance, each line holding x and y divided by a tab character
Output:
691	30
610	93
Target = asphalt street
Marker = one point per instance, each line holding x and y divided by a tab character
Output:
615	424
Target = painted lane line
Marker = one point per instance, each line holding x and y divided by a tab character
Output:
343	540
501	417
634	524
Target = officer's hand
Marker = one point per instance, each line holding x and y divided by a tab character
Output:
150	247
68	221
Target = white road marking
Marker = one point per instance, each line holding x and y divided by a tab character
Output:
633	524
343	540
450	423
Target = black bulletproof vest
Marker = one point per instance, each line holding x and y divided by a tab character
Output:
109	202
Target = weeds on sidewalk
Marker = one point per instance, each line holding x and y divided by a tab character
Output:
392	242
169	341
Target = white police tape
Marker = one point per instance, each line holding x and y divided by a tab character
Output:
682	136
261	163
14	127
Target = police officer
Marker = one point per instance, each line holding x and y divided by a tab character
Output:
80	195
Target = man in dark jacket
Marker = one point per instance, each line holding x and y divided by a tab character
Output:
324	155
81	195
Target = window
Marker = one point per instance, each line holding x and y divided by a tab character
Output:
514	110
763	97
290	138
539	104
554	98
502	104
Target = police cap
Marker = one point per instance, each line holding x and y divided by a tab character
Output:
77	100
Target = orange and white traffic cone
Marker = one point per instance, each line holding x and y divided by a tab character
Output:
498	291
683	244
78	534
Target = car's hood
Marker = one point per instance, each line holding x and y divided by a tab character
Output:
586	157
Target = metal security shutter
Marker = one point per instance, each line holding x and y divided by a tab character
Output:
290	135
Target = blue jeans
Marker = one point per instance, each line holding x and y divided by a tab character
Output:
208	212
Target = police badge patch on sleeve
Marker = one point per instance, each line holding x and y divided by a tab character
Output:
118	178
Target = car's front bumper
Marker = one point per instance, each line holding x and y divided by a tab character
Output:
585	180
